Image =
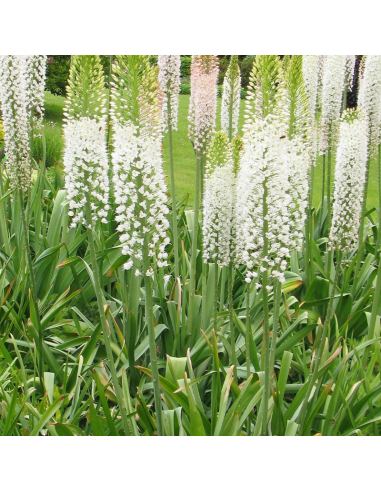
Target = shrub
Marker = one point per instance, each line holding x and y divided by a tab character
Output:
246	68
54	145
186	62
153	59
185	89
224	65
57	74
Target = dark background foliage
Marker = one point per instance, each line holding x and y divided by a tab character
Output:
59	66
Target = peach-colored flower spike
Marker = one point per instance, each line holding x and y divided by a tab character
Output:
203	103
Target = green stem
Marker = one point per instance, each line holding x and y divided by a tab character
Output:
152	340
329	181
320	349
309	231
33	287
173	192
216	297
322	198
231	107
204	321
101	308
248	330
362	225
277	301
231	321
192	283
3	220
266	394
379	201
109	135
374	316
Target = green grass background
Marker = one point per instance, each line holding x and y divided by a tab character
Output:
184	156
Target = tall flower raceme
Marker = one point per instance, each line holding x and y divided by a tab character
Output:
139	187
263	218
297	107
311	82
268	221
370	101
85	159
296	116
35	77
332	98
15	120
202	119
350	179
203	102
86	166
350	65
219	200
218	216
169	78
370	98
231	98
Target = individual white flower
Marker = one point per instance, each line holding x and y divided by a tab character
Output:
332	98
231	97
86	170
349	180
264	228
169	78
140	194
370	97
219	199
15	120
203	102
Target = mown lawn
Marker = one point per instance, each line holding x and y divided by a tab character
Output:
184	155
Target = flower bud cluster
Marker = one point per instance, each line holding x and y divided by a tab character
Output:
231	97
